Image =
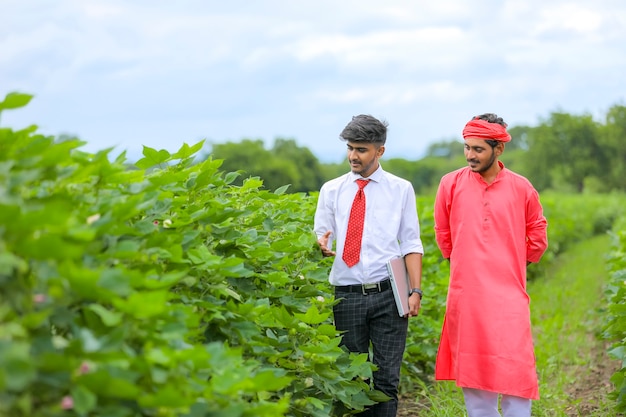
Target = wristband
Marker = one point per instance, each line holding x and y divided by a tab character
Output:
416	291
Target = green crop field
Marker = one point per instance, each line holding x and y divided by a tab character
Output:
160	288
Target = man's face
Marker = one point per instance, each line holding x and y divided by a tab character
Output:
480	155
363	157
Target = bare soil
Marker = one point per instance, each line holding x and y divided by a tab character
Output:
592	385
407	407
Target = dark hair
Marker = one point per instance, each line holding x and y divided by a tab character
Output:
365	128
492	118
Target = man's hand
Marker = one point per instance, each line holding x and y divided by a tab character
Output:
414	304
323	242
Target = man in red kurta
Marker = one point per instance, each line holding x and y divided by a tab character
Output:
489	224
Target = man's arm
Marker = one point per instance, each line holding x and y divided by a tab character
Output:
324	224
441	215
536	229
413	263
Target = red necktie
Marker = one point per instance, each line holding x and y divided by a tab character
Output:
352	246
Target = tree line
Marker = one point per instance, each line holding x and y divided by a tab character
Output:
563	152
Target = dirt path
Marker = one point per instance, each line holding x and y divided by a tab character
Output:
593	384
407	407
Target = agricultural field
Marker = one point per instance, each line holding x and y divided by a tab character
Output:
160	288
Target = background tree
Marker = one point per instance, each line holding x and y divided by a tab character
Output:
286	163
519	137
612	139
445	149
307	165
245	156
564	150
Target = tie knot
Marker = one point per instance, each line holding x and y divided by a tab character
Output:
362	183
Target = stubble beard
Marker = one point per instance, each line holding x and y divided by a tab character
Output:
363	169
486	167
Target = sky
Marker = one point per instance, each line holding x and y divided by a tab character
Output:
122	74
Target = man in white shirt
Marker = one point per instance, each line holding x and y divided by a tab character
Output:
367	311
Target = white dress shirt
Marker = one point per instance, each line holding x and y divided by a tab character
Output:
391	226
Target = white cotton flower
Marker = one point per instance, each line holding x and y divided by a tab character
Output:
93	218
167	223
320	298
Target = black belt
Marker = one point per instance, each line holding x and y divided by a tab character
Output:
365	288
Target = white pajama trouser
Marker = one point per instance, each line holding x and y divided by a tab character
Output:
480	403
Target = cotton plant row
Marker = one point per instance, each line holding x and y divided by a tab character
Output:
159	289
615	329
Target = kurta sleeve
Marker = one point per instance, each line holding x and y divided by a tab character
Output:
443	236
536	229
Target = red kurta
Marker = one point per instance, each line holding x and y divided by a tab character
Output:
489	232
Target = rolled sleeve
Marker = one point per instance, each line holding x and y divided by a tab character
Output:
324	216
409	237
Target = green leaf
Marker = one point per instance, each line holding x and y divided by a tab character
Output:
234	267
144	305
267	380
252	183
90	343
10	263
84	400
282	190
16	364
108	317
618	352
158	356
327	330
313	316
230	177
116	281
165	280
186	151
152	157
102	383
15	100
276	278
200	255
168	396
51	246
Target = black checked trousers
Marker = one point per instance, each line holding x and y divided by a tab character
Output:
373	318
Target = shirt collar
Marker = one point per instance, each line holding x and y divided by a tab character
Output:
376	175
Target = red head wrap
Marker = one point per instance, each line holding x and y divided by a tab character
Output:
482	129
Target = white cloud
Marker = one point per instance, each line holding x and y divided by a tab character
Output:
384	48
569	17
144	72
393	94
